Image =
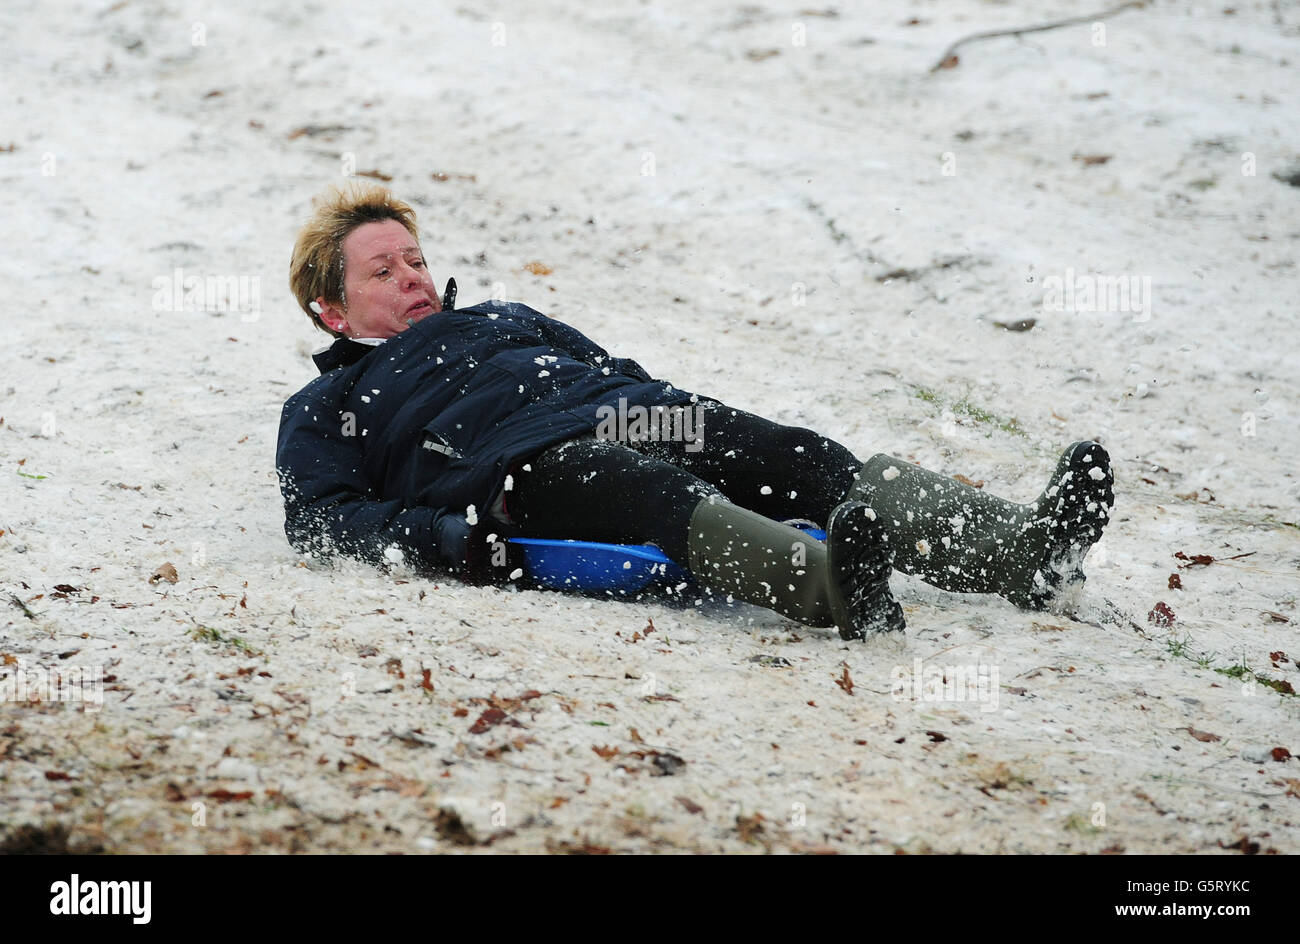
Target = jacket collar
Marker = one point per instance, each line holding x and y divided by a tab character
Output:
344	352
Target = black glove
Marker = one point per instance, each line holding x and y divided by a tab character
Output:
491	561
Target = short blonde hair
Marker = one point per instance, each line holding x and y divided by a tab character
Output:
316	269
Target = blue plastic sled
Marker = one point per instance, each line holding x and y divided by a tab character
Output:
590	566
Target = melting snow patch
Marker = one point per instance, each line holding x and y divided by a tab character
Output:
890	474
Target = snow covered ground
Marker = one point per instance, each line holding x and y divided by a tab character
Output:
779	206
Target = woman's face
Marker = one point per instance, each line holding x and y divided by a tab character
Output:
386	284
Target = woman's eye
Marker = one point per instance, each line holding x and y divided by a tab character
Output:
382	272
418	264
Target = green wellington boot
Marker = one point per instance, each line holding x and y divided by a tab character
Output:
960	538
843	583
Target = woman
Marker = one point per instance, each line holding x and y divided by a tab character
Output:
432	431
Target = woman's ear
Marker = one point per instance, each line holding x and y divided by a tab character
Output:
330	315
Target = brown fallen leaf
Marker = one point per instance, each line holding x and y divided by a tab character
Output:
605	750
1161	615
1242	845
166	572
402	786
949	62
225	796
692	807
174	793
312	131
1175	582
844	681
425	682
57	775
538	268
1276	617
1203	560
586	847
516	745
1277	657
1202	735
359	762
936	736
749	827
973	483
1092	160
1292	786
507	703
490	719
1280	754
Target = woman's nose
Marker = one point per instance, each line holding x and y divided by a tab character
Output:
410	276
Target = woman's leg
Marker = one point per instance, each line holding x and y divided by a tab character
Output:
593	490
782	472
603	491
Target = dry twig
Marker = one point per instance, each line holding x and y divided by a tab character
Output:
949	58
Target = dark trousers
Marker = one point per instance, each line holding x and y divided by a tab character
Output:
626	490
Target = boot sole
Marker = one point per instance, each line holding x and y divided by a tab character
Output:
1076	506
861	560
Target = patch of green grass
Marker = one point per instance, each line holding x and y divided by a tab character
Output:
1203	184
216	637
964	407
1235	672
980	415
1242	672
1180	648
1082	823
28	475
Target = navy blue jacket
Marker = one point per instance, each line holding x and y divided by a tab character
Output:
393	443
